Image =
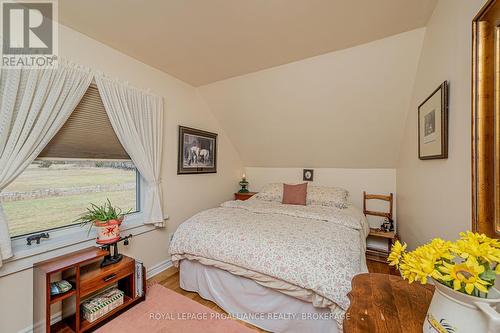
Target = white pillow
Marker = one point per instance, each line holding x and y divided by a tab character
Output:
327	196
316	195
271	192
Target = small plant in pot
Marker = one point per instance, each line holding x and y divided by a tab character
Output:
106	218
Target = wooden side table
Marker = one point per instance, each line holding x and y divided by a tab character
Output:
83	270
243	196
382	303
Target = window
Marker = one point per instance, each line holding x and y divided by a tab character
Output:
53	193
84	163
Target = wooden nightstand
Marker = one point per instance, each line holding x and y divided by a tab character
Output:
382	303
243	196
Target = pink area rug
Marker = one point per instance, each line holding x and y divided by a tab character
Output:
167	311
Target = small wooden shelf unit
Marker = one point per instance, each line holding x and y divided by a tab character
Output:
82	269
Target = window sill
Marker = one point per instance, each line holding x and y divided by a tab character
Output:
62	241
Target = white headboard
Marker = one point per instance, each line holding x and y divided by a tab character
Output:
375	181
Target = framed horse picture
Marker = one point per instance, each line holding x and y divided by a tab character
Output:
197	151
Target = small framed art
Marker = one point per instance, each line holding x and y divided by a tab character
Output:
433	125
307	175
197	151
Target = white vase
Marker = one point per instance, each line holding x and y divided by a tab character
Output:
454	312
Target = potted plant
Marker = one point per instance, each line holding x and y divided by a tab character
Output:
106	219
464	274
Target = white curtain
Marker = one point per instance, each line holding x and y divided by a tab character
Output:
34	104
137	118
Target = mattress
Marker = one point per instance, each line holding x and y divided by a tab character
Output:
248	301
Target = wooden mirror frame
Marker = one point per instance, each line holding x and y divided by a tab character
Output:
486	120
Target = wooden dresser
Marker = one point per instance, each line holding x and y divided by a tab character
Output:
82	269
382	303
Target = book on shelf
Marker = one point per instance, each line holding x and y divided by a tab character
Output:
377	251
139	288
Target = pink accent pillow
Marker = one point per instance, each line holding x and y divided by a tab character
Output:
295	194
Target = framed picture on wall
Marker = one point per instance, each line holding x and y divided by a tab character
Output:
307	175
197	151
433	125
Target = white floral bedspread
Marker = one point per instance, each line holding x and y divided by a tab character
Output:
314	247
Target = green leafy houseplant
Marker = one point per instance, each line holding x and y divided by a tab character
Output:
98	214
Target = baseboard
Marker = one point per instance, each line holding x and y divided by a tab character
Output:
158	268
54	319
150	272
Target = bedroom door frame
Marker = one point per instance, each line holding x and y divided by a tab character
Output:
486	120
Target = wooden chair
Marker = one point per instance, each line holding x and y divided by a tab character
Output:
376	254
388	198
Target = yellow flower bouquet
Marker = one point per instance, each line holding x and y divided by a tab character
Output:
468	265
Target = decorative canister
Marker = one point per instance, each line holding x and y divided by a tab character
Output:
102	303
454	312
108	231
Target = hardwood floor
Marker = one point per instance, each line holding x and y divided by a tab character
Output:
170	279
380	267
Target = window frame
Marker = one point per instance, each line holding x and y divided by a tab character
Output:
127	217
66	239
62	242
485	153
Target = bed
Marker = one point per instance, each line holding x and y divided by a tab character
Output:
283	268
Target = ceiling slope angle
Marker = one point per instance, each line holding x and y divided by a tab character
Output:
345	109
201	42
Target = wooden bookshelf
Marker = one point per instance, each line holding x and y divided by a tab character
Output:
82	269
61	297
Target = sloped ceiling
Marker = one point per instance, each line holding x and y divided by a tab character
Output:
203	41
344	109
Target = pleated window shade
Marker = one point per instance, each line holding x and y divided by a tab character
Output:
87	134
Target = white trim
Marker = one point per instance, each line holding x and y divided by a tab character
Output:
158	268
72	241
53	319
62	237
71	234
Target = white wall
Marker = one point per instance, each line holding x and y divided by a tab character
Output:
379	181
434	197
184	195
343	109
339	110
